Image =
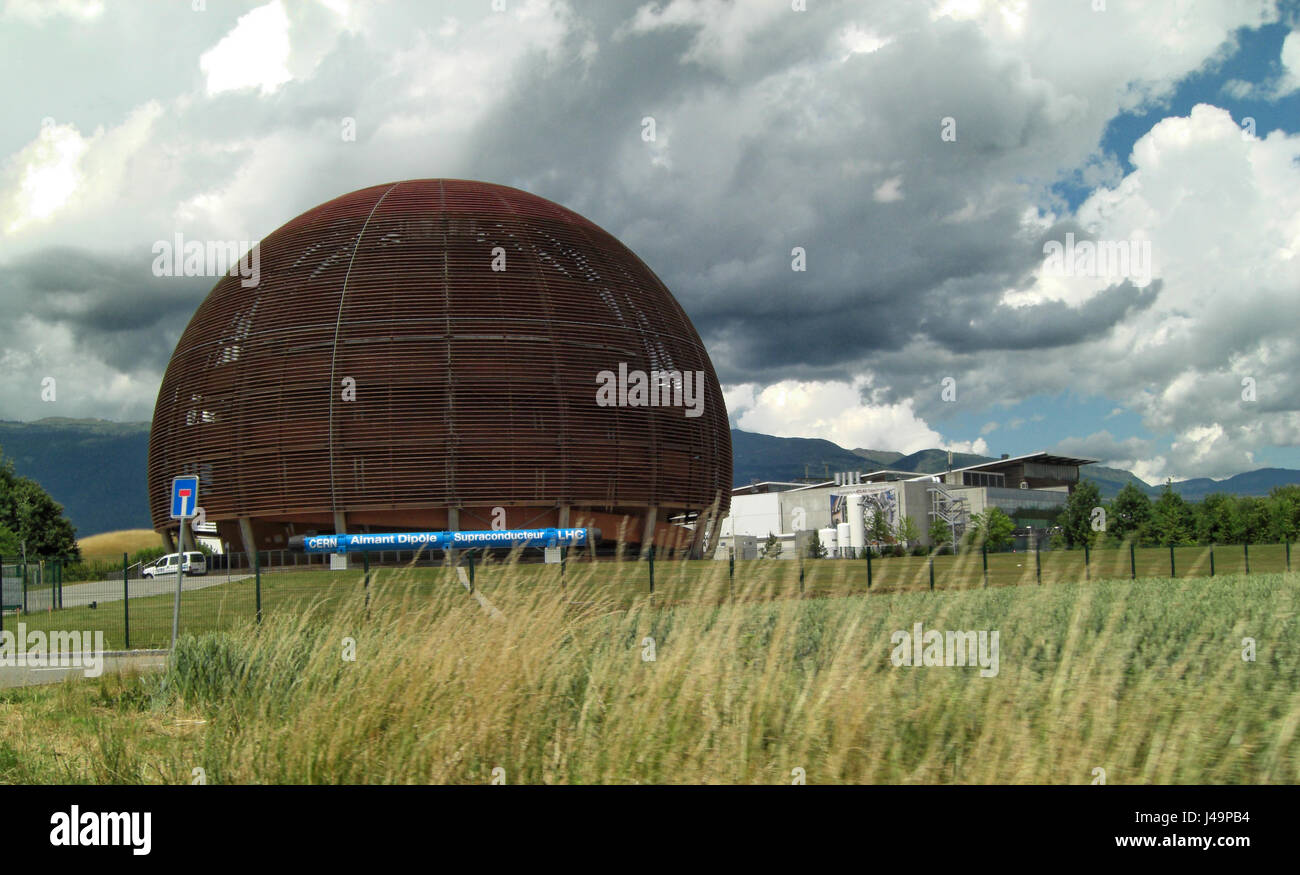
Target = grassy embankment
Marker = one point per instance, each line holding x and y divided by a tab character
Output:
1145	680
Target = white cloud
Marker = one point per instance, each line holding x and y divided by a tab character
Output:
858	40
889	191
836	411
62	172
1222	212
45	175
1290	80
723	28
255	54
38	11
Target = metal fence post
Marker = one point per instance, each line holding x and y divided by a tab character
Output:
731	572
1172	572
1087	563
257	585
126	602
1132	562
24	584
800	574
180	584
650	556
2	593
868	549
984	554
931	572
1246	548
1038	561
365	578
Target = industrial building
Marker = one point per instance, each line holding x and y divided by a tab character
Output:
842	511
428	355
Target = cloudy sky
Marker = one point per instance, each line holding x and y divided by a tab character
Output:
924	157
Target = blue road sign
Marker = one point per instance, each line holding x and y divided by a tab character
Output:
185	496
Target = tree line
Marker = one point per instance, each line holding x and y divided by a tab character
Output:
1173	520
28	515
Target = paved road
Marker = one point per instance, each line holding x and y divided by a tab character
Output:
117	663
101	591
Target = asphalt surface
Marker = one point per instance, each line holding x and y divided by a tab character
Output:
23	675
101	591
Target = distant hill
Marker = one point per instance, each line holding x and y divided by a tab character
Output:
1257	482
880	458
934	461
758	457
96	468
93	467
1111	480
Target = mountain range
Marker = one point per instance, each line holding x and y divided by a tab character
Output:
759	457
96	468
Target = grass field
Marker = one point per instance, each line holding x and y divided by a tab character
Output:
224	606
111	545
1144	679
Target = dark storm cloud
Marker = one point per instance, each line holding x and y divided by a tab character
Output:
115	308
966	324
876	268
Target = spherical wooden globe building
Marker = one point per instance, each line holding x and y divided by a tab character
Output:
418	354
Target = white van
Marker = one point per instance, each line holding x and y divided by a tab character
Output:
195	563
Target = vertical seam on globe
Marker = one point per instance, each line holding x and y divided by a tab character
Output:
343	293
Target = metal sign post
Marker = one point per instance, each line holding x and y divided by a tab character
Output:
185	499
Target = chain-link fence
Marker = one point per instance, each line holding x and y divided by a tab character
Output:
134	605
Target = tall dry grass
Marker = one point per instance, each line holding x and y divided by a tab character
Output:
1145	681
111	545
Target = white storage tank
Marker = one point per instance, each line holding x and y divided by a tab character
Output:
845	540
857	524
829	541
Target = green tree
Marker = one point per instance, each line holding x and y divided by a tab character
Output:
907	531
10	543
815	548
991	528
772	547
880	531
1216	519
1284	513
1129	512
940	534
1254	520
1076	518
29	512
1172	520
998	528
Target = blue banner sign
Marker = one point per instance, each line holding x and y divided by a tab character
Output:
362	543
